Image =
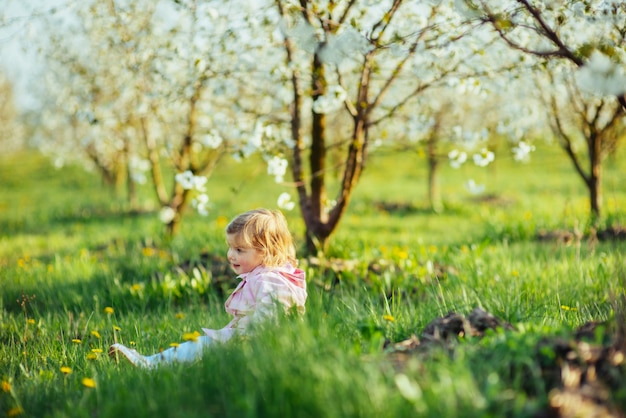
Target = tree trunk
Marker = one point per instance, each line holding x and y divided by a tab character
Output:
594	182
130	182
434	196
317	157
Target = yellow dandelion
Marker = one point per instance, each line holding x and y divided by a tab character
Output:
96	350
389	318
147	252
136	287
6	386
66	370
116	328
77	341
221	221
180	315
95	334
174	344
515	273
132	343
191	336
21	263
108	310
13	412
30	321
89	382
92	356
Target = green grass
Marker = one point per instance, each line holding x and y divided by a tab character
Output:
69	248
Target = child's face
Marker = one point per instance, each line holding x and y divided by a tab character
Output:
242	259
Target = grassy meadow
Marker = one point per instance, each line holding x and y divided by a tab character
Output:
79	271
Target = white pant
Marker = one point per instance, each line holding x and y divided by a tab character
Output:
185	352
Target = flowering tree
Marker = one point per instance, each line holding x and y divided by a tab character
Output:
465	121
351	67
581	46
138	86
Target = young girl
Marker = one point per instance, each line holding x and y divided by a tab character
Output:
262	254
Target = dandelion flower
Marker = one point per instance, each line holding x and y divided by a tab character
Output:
6	386
116	328
389	318
66	370
30	321
96	350
89	382
180	315
174	344
96	334
76	341
13	412
92	356
191	336
108	310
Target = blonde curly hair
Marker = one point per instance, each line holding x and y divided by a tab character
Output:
267	231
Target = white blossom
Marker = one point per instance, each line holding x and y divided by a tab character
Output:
277	167
138	167
254	142
331	101
602	76
212	140
185	179
343	45
473	188
201	204
167	214
284	202
521	152
457	158
484	157
191	182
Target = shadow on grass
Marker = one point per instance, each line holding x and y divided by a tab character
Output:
130	288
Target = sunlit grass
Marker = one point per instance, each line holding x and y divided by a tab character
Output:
79	272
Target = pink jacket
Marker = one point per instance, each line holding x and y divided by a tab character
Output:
257	296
